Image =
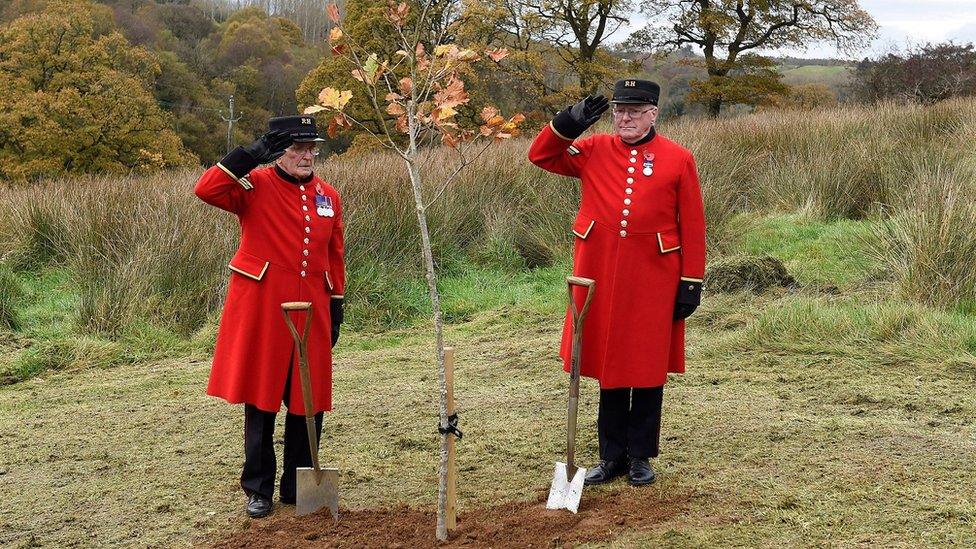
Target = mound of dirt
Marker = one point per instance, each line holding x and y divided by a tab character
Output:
747	272
601	516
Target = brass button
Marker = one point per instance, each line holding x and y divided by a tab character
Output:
626	202
630	169
307	230
623	222
305	253
626	212
633	152
630	180
623	233
628	190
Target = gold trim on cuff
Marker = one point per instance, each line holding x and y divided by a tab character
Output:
243	181
689	279
559	135
338	297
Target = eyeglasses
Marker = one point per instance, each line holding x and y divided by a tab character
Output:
633	113
302	151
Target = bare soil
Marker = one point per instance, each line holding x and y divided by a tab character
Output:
601	517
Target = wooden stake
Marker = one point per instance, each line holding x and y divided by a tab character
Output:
451	518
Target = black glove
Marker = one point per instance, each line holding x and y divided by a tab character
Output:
335	311
269	146
572	121
266	148
589	110
689	297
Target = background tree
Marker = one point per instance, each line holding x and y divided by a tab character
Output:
76	97
727	30
926	74
424	106
557	47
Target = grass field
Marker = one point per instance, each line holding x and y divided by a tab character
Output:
830	415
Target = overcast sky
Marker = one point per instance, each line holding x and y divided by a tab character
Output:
901	22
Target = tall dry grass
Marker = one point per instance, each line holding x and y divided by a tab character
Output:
929	241
144	248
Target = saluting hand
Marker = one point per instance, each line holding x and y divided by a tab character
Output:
588	111
269	146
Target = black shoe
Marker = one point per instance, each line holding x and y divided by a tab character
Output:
258	506
605	471
640	472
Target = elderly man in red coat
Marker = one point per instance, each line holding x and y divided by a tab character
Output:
291	249
640	234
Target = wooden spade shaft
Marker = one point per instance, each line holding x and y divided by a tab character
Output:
301	344
574	369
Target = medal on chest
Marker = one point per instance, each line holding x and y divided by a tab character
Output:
648	164
323	203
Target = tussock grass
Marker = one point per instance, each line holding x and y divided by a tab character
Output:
10	294
929	242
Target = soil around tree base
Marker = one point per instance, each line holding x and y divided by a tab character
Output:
601	516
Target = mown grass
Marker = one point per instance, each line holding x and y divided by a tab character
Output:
805	419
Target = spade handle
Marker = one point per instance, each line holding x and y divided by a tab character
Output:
301	345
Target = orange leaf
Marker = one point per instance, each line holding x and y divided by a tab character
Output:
497	55
488	113
338	50
333	12
335	34
360	75
449	140
406	85
402	125
395	109
393	96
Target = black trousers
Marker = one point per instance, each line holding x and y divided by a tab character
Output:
260	467
629	422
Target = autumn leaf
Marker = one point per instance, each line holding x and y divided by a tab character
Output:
335	35
313	109
338	50
448	139
333	12
398	14
451	95
395	109
444	49
467	55
443	113
393	96
497	55
334	99
406	85
358	74
488	113
402	125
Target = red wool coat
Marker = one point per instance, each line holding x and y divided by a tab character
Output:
287	252
637	235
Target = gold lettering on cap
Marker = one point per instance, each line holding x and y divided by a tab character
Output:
306	120
630	84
